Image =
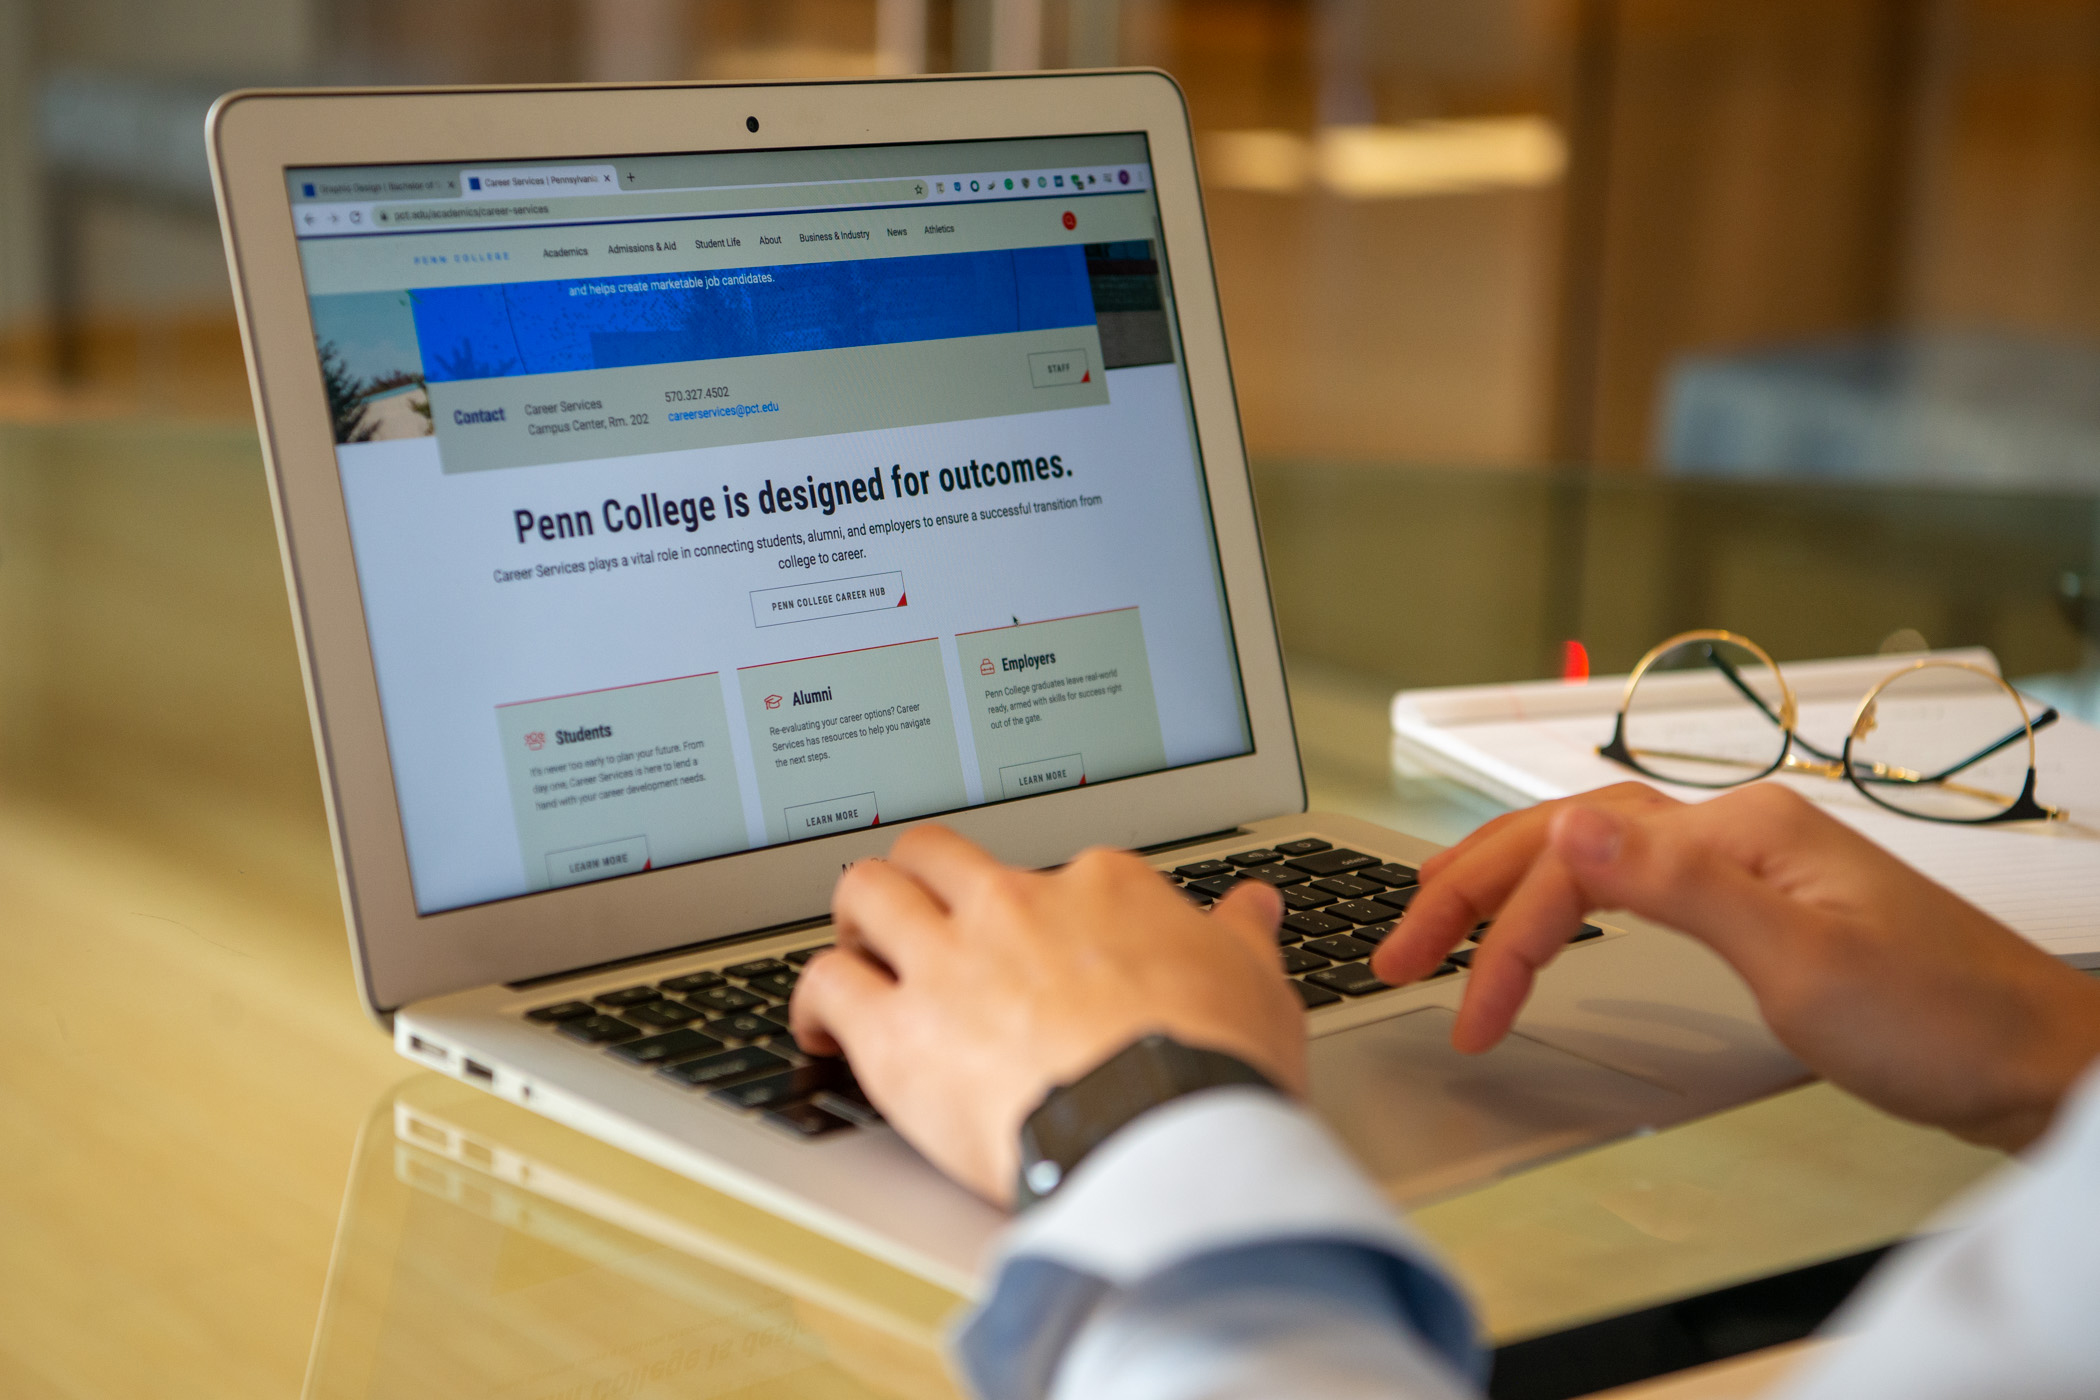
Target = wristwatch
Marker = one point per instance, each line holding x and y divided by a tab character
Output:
1075	1118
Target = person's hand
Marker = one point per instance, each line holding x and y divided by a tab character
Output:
964	991
1880	980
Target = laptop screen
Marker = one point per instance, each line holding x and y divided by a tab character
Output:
709	502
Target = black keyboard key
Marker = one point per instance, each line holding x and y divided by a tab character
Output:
1275	876
1359	911
719	1069
849	1103
1202	869
1323	863
1296	961
562	1011
803	955
1399	899
692	982
1314	996
726	999
1196	897
745	1026
600	1030
662	1049
1263	856
1341	948
1349	887
1374	934
1350	979
661	1015
806	1120
1443	969
1299	897
757	967
1315	925
1462	957
777	1090
1304	847
1392	873
1214	886
626	996
1586	933
778	985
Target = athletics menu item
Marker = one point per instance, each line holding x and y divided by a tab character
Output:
760	470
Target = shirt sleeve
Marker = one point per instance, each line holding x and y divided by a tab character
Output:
1222	1245
2004	1304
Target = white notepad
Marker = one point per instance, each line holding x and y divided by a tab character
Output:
1537	741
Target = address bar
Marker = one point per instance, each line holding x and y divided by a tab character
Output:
615	206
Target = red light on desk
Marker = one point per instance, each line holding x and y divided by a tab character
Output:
1574	662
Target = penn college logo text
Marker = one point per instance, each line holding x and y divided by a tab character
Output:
773	701
536	740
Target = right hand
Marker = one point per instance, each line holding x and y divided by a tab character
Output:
1883	982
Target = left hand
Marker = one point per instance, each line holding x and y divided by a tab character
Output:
963	991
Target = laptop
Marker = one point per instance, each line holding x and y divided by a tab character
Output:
682	486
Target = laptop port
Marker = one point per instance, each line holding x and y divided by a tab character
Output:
433	1050
478	1072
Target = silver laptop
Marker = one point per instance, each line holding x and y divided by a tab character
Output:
680	485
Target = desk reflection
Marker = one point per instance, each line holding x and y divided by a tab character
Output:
485	1252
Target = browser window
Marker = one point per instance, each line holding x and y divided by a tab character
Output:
703	503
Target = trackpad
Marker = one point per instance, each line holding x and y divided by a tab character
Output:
1425	1119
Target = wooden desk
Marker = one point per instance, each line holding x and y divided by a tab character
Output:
185	1073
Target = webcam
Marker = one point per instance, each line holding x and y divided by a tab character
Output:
751	123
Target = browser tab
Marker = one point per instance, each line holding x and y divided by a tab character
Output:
546	181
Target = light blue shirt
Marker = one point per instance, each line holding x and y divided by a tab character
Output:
1224	1247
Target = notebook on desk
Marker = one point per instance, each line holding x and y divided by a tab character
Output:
1538	741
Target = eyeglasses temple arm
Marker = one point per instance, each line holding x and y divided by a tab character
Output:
2040	721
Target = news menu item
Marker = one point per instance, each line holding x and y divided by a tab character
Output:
611	782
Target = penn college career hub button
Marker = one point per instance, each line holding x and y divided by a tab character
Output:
837	814
573	867
1043	775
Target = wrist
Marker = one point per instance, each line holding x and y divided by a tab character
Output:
1075	1118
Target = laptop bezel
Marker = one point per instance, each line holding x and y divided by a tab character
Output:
401	955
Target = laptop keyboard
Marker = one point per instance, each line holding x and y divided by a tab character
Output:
726	1031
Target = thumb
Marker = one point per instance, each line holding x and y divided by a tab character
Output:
1666	866
1251	911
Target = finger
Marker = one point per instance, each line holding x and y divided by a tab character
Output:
1473	880
882	910
1536	921
839	999
1675	868
952	867
1250	912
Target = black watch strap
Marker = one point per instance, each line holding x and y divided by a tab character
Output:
1075	1118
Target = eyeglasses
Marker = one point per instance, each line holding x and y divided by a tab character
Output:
1939	739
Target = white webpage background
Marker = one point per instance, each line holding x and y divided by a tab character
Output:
449	643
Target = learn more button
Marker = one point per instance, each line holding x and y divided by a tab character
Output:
1049	369
580	863
1043	775
837	814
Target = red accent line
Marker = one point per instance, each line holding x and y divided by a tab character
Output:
1101	612
761	665
607	690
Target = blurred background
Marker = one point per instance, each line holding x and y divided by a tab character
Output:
1552	321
